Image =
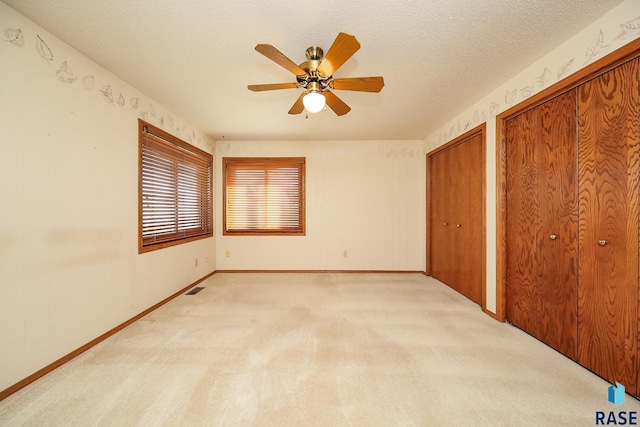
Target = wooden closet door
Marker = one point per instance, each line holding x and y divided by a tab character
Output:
466	229
608	197
542	223
442	250
457	217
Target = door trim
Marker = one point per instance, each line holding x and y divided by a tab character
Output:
601	66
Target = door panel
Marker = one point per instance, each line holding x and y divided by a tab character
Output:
441	242
608	210
557	186
467	230
542	223
523	224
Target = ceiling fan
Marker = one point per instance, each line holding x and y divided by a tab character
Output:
315	76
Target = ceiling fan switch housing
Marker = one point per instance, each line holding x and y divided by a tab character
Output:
314	53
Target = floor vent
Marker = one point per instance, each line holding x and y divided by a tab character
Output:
195	290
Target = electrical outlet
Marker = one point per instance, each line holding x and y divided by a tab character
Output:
344	254
196	262
227	254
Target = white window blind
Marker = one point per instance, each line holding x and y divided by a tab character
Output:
264	196
175	190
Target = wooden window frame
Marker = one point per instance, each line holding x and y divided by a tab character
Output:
162	155
266	164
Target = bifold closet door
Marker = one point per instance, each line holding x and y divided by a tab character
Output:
467	225
442	250
456	227
542	222
608	196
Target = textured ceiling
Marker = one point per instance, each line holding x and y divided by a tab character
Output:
197	57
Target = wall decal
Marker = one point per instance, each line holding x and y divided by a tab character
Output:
539	83
14	36
510	97
145	114
564	69
166	120
630	29
107	95
88	82
543	78
43	50
134	103
121	100
494	108
596	46
390	153
526	91
65	75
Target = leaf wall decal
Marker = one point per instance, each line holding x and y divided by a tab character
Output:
629	29
65	75
494	107
543	78
107	95
14	36
565	68
510	97
595	47
43	49
88	82
633	25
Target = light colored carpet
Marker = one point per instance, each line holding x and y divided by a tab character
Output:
316	350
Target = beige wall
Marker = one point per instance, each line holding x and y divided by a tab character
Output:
69	266
612	31
363	197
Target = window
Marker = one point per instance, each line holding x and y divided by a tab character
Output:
264	196
175	181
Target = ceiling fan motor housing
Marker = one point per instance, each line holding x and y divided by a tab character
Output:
314	55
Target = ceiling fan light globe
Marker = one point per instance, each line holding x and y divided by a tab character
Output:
314	101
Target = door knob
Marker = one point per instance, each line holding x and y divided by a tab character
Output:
602	242
446	223
553	236
458	225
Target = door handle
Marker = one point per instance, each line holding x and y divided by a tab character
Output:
553	236
458	225
602	242
446	223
